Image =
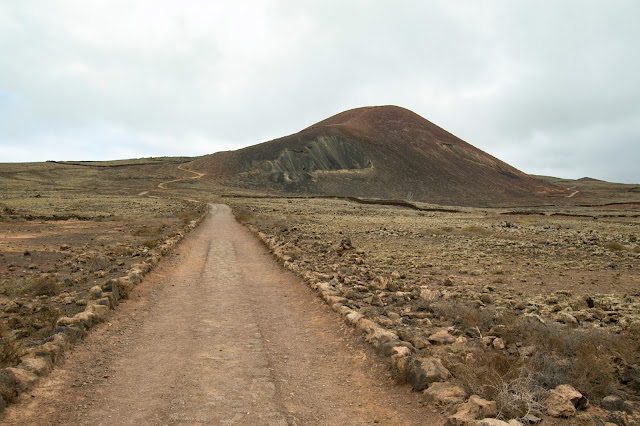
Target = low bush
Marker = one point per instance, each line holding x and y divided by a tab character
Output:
613	246
147	231
45	286
10	349
502	378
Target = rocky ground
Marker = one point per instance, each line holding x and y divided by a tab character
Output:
47	267
61	236
521	308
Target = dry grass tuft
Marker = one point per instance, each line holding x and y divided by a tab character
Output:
46	286
613	246
10	349
498	377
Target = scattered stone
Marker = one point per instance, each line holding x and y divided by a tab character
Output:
473	332
12	307
424	371
496	422
631	377
441	337
445	393
566	318
430	295
399	360
615	403
95	292
476	408
498	343
380	282
37	365
24	379
532	419
564	400
486	298
8	386
619	418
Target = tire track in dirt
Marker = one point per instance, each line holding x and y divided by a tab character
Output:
219	334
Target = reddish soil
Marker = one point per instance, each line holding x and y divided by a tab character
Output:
399	154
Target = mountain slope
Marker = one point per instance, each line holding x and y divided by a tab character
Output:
377	152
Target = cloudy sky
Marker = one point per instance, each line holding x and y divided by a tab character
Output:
551	87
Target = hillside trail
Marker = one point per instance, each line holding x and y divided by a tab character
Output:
219	334
163	185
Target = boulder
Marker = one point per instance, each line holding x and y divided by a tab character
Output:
120	287
441	337
24	379
445	393
564	400
619	418
353	317
615	403
430	295
8	386
399	360
37	365
380	282
424	371
471	411
498	343
95	292
566	318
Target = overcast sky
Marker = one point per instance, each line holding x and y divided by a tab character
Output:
550	87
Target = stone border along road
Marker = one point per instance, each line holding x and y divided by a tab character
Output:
218	333
39	361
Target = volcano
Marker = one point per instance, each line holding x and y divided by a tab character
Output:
385	152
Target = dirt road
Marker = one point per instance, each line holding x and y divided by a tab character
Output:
219	334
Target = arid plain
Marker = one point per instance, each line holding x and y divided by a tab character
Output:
527	313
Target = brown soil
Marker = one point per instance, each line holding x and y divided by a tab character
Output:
219	334
378	152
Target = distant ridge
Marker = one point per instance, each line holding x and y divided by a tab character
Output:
383	152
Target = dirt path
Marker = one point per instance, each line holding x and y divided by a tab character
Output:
196	175
219	334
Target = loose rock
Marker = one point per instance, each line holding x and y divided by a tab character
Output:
564	400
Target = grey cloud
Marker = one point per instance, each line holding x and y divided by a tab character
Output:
542	85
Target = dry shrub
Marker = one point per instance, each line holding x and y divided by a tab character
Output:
502	378
42	322
97	262
10	349
242	215
46	286
613	246
147	231
582	358
593	372
474	230
151	243
466	316
121	250
191	215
